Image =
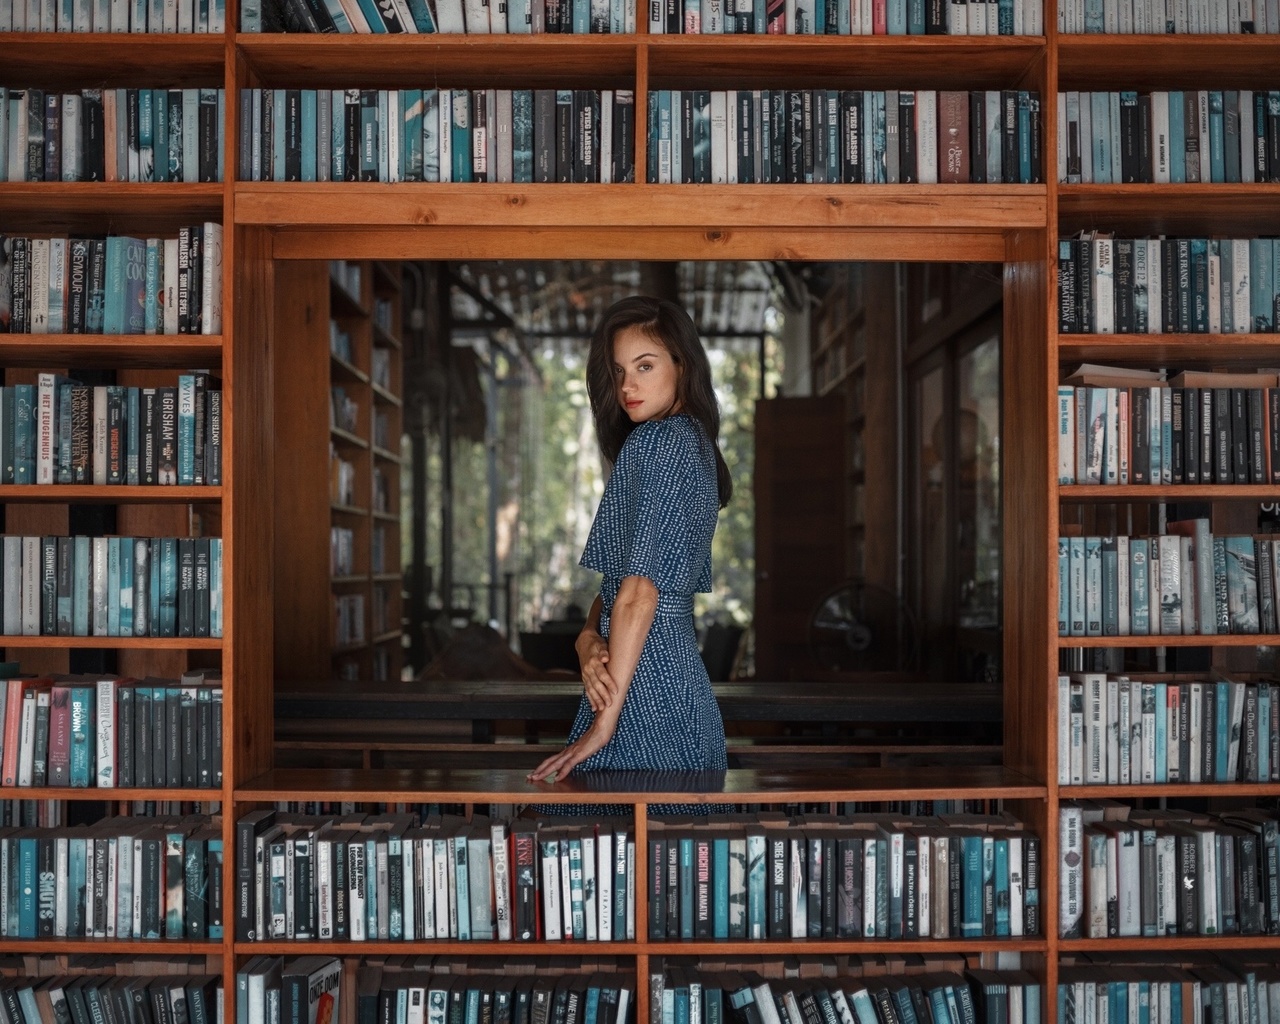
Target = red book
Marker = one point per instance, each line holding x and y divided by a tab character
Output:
12	732
60	737
879	18
953	137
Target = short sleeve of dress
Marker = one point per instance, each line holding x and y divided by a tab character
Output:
663	485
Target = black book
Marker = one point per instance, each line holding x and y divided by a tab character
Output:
189	723
795	158
829	878
1231	135
292	135
1009	136
304	901
186	586
159	747
684	107
195	881
746	152
173	745
624	136
340	893
1199	286
46	878
19	299
698	155
1240	435
911	888
1144	138
148	436
133	128
1224	461
907	141
806	135
1084	285
1177	420
204	737
92	148
195	284
125	726
77	284
166	446
564	135
851	136
208	140
215	699
248	828
1208	716
184	286
1273	137
35	135
351	133
544	135
66	558
52	137
1068	289
48	586
1257	400
657	888
1037	141
1191	432
586	104
674	11
1207	435
778	128
1182	285
954	884
817	100
244	143
1169	287
1124	285
849	888
201	587
115	435
978	142
1140	435
143	736
775	869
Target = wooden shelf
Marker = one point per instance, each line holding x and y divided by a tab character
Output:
348	510
1232	640
1168	349
107	794
61	60
125	947
1146	62
387	456
739	785
386	517
387	577
387	637
1170	942
348	581
346	437
77	208
1170	492
361	204
345	649
89	494
381	394
131	643
122	351
1170	790
345	370
381	336
386	278
345	304
1220	210
769	947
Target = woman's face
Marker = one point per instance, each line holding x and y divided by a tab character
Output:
645	376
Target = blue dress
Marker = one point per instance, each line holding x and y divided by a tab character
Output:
656	519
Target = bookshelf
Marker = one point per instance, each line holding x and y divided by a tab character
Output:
270	228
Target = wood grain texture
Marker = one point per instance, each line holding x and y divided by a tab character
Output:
103	495
1222	211
1164	61
72	60
1167	640
112	351
1134	493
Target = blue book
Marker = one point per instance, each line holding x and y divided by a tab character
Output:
80	558
214	859
113	318
1100	112
83	759
1004	17
1177	139
720	890
460	135
152	317
279	134
820	15
146	133
133	433
1264	737
582	15
125	588
76	886
1024	136
941	1011
1221	730
411	137
135	279
1162	732
971	886
591	1005
686	887
27	873
464	887
24	434
1001	877
420	12
1217	144
371	14
1175	1003
896	17
1261	283
186	429
113	586
522	135
1064	587
382	132
153	589
308	135
215	586
168	586
1031	1003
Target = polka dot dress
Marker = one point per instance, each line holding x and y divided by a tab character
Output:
656	519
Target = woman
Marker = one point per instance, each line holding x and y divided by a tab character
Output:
647	701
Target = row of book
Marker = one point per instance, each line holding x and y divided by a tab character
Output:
672	17
1181	583
1195	17
121	878
693	994
92	732
96	988
348	620
1109	285
115	16
1121	731
823	136
1126	872
297	990
818	876
342	551
111	135
360	878
113	285
112	586
394	135
1156	434
1212	135
342	479
1205	989
59	431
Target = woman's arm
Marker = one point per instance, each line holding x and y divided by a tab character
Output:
629	624
593	657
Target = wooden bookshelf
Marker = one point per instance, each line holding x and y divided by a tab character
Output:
276	447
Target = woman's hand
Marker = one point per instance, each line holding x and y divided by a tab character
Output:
593	656
594	739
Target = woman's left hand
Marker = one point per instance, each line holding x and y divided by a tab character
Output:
594	739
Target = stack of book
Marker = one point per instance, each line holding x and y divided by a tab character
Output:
1109	285
82	988
1121	426
1184	582
832	136
121	878
1174	137
111	135
111	586
1197	17
394	135
1121	731
59	431
871	993
87	731
1127	872
113	285
134	16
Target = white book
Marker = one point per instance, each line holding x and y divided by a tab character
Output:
105	746
1111	449
425	877
170	295
62	868
927	136
1160	131
1129	882
1086	139
1104	285
324	889
27	738
1215	288
1063	131
356	870
1095	729
1147	698
1066	434
604	884
1187	579
1096	844
46	425
958	19
440	861
1240	284
449	17
1070	873
39	286
501	879
476	15
1122	583
1064	731
1202	109
719	137
1170	585
30	586
1246	136
394	123
118	17
1113	732
590	887
606	136
1235	726
1124	730
1155	287
731	136
124	888
1207	861
552	916
57	290
444	134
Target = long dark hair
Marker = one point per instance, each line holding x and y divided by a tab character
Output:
670	326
